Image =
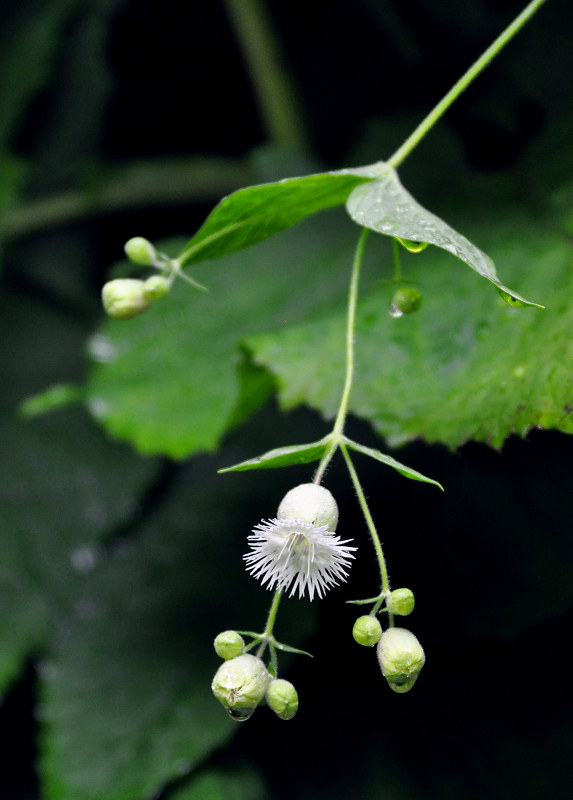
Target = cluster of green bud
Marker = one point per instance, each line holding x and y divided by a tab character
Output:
367	631
125	298
400	602
240	685
229	644
401	658
282	698
243	682
140	251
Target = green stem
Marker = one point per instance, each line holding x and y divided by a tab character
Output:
278	101
385	581
406	148
397	262
268	632
337	431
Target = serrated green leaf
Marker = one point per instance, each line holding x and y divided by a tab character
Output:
407	472
385	206
250	215
284	456
466	366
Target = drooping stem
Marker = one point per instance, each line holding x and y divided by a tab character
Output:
272	84
384	579
337	430
430	120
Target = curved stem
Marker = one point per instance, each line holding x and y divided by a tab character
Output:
337	430
385	581
430	120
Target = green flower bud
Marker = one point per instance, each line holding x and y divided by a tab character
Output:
367	631
123	298
155	287
228	644
282	697
401	602
310	503
240	685
140	251
401	658
406	300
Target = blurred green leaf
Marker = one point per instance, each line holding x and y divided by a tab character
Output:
386	207
126	699
167	381
236	783
59	497
258	212
29	48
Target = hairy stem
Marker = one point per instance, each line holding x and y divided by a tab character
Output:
268	632
337	431
428	122
385	581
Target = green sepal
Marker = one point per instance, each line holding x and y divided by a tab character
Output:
367	601
288	649
284	456
391	462
386	207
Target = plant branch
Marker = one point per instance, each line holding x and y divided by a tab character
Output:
277	96
430	120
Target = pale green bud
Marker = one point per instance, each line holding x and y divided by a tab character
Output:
140	251
155	287
401	602
123	298
407	300
310	503
401	658
228	644
282	698
367	631
240	685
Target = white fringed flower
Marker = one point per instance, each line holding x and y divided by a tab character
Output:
293	551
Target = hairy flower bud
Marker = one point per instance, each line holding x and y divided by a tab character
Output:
401	658
155	287
228	644
310	503
140	251
282	698
401	602
240	685
367	631
123	298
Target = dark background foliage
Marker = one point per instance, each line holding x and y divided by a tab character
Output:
157	560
